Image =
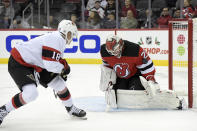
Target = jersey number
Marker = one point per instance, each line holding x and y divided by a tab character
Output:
56	56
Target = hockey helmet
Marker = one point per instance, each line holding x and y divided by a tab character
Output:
114	45
66	26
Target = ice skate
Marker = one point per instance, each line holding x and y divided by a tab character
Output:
182	105
76	112
3	113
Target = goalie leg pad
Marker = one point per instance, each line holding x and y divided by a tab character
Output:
139	99
132	99
168	99
110	98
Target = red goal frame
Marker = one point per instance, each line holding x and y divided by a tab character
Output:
190	57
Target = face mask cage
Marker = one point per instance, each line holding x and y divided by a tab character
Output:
114	48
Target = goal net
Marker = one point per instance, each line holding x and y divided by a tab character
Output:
182	65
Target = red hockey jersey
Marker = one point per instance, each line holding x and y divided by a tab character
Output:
133	59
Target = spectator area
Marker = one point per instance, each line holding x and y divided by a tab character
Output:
94	14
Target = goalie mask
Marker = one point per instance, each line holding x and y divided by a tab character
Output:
114	45
68	30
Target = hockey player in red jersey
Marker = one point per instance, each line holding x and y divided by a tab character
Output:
40	61
128	72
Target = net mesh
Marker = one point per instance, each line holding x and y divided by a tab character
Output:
180	57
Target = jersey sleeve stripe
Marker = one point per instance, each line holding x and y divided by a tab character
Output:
147	67
144	65
148	70
50	49
48	53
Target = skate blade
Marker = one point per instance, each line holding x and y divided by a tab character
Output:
184	104
78	118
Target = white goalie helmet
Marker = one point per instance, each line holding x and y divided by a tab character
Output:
66	26
114	45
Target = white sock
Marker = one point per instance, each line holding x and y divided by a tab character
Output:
68	103
9	106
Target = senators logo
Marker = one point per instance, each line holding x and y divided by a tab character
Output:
122	70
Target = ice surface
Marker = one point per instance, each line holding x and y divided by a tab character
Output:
48	114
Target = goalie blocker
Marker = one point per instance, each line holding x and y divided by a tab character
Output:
152	97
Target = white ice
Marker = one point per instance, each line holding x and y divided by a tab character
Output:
48	114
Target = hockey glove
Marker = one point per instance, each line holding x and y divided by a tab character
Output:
65	72
151	78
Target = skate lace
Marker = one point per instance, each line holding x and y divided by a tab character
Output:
75	110
3	113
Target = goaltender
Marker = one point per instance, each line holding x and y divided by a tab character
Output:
128	78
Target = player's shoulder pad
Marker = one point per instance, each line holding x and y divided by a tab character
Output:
130	49
104	52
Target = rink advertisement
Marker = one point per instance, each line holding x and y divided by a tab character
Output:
154	42
85	49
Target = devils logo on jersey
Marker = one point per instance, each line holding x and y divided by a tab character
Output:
122	69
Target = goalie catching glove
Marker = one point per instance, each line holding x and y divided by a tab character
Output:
65	70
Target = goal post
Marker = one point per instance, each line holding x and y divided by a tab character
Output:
182	58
